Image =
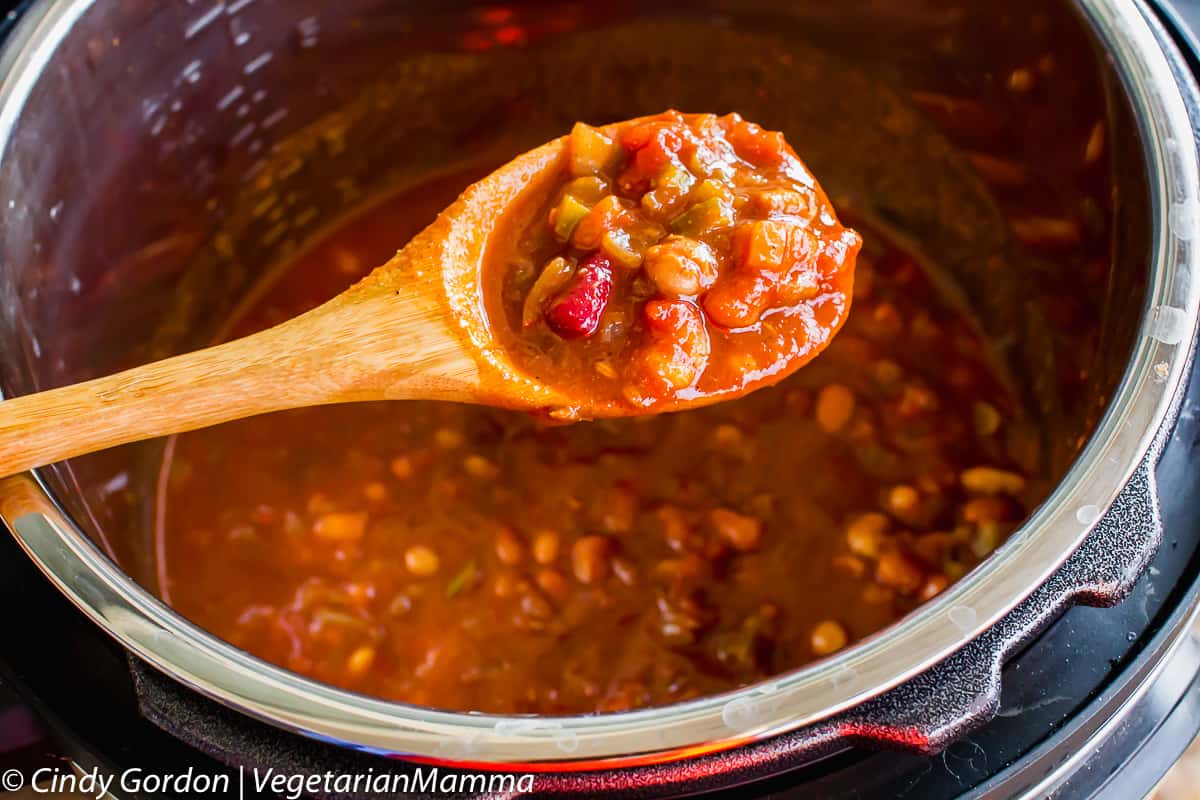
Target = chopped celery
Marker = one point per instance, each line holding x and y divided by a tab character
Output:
714	212
463	579
567	215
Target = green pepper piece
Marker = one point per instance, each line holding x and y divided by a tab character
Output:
703	217
465	576
567	215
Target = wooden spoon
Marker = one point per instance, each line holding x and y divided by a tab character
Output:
415	328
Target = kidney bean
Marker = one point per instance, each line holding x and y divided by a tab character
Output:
576	312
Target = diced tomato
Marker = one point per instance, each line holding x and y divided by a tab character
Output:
837	253
676	349
738	299
760	147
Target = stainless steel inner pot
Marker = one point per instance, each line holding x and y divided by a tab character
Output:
157	158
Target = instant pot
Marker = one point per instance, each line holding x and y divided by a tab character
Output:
155	156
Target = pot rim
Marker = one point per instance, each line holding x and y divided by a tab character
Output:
1140	408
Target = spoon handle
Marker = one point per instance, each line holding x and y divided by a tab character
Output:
337	352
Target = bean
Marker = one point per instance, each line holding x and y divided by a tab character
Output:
421	561
886	321
360	661
1047	231
343	526
676	530
729	439
509	547
875	595
887	373
897	571
688	568
590	559
742	532
545	547
827	637
835	407
990	508
903	500
851	565
865	534
577	310
447	438
934	585
552	582
402	467
1020	80
990	480
504	584
985	418
375	492
680	266
1094	149
986	538
479	467
619	510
